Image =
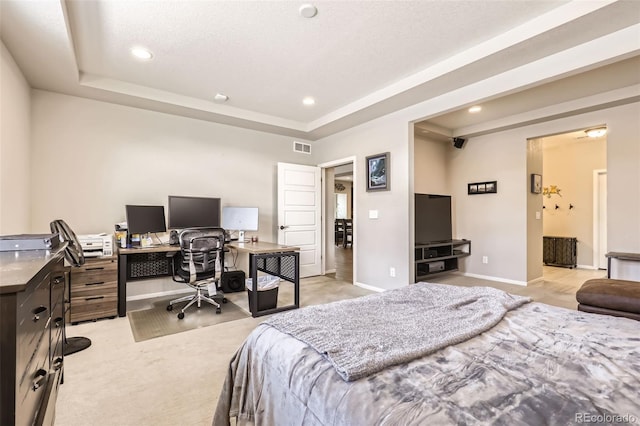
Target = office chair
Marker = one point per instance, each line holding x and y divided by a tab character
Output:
201	250
75	256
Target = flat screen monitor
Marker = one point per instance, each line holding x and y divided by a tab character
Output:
432	218
145	219
193	212
240	219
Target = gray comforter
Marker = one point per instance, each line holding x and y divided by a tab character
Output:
539	365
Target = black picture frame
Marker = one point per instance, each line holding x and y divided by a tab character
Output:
489	187
536	183
378	172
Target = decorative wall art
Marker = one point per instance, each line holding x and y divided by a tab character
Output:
482	188
378	172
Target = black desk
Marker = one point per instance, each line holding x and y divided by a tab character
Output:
141	263
273	259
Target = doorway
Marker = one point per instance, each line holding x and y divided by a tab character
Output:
574	194
339	242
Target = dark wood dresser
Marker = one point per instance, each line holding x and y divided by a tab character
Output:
32	286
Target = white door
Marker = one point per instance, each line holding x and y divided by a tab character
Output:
299	214
602	220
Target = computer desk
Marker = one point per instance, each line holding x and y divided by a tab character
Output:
154	263
274	259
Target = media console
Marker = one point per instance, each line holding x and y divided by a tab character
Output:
438	257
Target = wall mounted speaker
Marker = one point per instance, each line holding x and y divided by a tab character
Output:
458	142
232	281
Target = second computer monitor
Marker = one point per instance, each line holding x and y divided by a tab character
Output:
193	212
240	219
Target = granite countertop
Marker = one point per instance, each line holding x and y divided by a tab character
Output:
18	267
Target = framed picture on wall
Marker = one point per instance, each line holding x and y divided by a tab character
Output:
536	183
378	172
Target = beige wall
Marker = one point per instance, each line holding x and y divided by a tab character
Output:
15	148
570	165
92	158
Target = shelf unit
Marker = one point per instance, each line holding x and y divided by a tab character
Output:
439	257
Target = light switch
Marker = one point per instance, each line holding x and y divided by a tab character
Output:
373	214
538	215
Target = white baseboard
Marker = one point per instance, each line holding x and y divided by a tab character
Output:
330	271
593	268
502	280
369	287
158	294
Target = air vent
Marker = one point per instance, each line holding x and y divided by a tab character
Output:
302	147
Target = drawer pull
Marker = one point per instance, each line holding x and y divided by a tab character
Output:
57	363
95	269
37	311
39	379
94	298
58	280
59	322
96	283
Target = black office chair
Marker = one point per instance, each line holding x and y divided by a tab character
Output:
75	256
201	250
339	232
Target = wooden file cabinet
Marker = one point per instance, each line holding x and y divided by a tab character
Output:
94	290
32	285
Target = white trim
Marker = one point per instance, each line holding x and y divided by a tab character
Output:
595	253
354	232
329	271
502	280
591	267
159	294
369	287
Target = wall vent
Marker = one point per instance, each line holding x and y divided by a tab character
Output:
302	147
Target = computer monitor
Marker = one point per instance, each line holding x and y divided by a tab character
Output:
193	212
145	219
240	219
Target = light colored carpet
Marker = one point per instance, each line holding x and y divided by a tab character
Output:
157	321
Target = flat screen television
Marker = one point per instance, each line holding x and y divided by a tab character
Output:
145	219
432	218
193	212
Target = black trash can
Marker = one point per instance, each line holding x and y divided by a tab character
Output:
267	293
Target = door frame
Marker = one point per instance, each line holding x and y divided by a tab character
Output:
596	216
323	202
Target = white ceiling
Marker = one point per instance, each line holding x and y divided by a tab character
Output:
358	59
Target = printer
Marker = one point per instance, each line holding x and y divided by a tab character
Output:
96	245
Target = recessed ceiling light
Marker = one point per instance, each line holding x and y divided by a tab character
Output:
219	97
596	132
476	108
309	101
308	11
141	53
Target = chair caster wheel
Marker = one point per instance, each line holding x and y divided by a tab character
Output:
181	315
218	310
224	300
169	308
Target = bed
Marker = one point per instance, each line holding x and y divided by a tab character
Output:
435	354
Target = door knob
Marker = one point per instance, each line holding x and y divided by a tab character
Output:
282	227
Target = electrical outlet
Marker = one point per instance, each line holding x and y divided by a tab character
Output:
392	272
485	259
